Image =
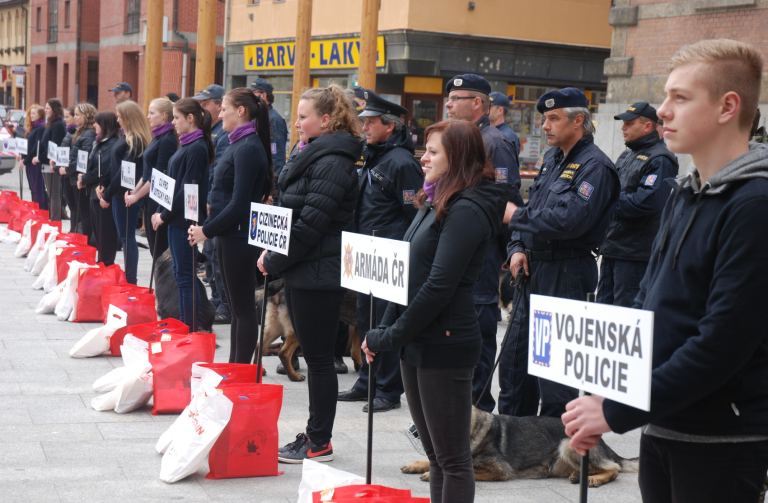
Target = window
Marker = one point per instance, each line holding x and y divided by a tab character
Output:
53	20
132	16
66	14
39	18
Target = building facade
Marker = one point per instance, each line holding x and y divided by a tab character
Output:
423	43
14	51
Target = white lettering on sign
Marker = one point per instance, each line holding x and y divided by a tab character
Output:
62	156
82	161
128	175
190	202
161	189
375	266
603	349
270	227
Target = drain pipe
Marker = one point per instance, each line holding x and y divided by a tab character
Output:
226	39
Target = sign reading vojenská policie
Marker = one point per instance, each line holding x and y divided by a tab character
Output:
375	266
270	227
602	349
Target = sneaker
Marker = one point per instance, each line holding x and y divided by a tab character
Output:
301	438
296	452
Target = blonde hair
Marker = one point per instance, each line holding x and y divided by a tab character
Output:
164	106
729	66
88	111
28	118
135	126
334	102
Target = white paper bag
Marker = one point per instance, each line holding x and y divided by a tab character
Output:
96	341
135	390
47	304
319	476
25	243
134	352
44	255
68	302
34	252
8	236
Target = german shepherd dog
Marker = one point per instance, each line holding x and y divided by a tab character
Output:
278	322
507	447
167	295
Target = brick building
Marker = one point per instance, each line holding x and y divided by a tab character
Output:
646	33
109	40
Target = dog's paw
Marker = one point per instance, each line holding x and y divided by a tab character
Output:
424	477
416	467
574	478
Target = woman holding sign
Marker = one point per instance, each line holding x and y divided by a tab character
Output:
243	176
320	185
128	151
438	335
158	153
34	123
188	166
55	130
82	140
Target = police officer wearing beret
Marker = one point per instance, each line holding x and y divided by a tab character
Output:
498	117
389	181
469	100
278	129
553	240
642	167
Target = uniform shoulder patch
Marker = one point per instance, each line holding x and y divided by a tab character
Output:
501	175
651	178
408	196
585	190
274	148
642	157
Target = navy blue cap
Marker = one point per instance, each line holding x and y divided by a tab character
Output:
499	99
468	82
570	97
375	105
173	97
262	85
214	91
122	86
639	109
360	92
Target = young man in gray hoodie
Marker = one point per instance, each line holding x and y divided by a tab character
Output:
706	435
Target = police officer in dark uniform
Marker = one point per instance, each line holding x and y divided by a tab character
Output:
389	181
361	97
498	117
553	240
642	168
278	129
468	99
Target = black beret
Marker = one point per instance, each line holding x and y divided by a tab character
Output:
375	105
468	82
639	109
570	97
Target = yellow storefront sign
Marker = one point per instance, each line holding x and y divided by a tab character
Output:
337	53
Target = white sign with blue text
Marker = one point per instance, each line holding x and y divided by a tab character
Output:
602	349
270	227
377	266
161	189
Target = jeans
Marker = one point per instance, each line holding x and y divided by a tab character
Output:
127	236
315	318
486	316
673	471
440	400
620	281
238	266
184	271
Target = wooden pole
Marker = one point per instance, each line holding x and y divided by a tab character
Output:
301	59
369	34
205	66
153	52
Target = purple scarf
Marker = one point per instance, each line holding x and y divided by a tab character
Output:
430	189
71	129
241	131
162	129
39	123
190	137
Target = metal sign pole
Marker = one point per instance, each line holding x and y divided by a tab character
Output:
194	285
260	344
371	392
584	466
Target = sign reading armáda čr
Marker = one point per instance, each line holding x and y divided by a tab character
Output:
374	265
605	350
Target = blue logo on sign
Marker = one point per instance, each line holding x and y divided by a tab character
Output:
254	224
542	337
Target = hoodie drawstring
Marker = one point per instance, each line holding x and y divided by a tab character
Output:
688	225
665	235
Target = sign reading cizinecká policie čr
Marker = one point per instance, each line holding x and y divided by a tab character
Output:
374	265
270	227
602	349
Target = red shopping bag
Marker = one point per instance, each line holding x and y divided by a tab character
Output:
36	215
367	493
79	253
150	332
38	224
172	369
89	286
233	373
108	291
73	238
248	445
6	197
140	307
18	209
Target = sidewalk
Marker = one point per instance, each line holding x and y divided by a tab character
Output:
55	448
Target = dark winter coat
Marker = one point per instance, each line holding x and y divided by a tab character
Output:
83	142
188	166
120	153
54	133
158	153
101	153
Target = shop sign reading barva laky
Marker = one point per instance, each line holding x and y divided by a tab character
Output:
336	53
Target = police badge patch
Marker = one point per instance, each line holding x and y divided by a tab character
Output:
254	224
649	181
585	191
501	175
408	196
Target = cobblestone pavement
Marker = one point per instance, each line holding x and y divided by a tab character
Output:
55	448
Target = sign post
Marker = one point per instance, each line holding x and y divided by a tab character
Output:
161	191
597	348
269	229
378	267
127	180
190	213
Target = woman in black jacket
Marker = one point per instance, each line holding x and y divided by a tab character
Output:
129	148
55	131
242	176
321	187
438	336
160	150
82	140
95	178
35	123
188	166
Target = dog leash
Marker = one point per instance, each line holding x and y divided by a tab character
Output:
517	284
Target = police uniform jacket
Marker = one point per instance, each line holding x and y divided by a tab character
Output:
569	204
507	131
83	142
278	132
320	186
642	168
388	184
101	152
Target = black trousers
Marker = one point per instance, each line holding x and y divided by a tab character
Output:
238	274
620	281
77	200
159	236
315	318
681	472
440	400
486	317
106	232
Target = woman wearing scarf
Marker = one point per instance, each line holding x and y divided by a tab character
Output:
34	123
55	131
